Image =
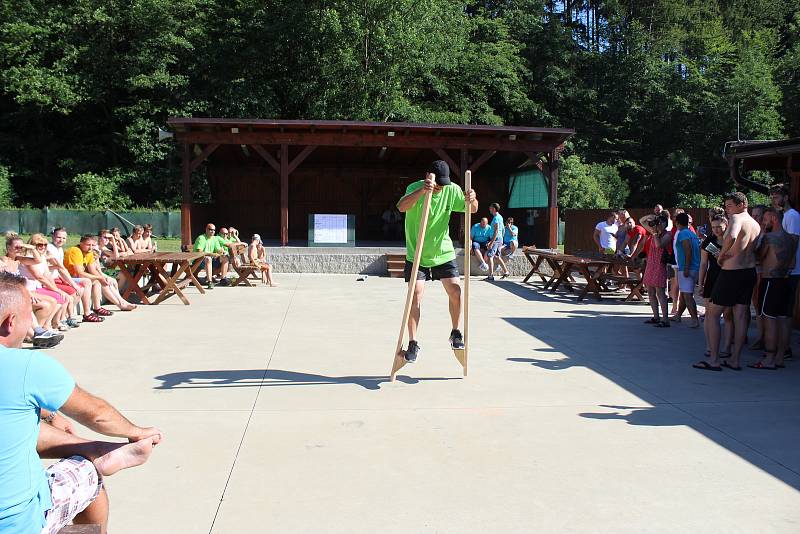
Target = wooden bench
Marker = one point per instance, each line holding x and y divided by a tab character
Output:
80	529
242	265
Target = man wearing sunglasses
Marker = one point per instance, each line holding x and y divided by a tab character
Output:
216	257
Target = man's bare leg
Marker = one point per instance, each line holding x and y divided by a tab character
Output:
97	294
107	457
770	341
413	318
713	313
479	255
741	314
453	290
691	305
96	513
503	264
729	327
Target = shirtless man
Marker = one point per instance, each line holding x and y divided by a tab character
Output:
776	250
734	286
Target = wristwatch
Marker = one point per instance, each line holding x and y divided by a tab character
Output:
49	418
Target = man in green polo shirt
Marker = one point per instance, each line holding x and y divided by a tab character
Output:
209	244
437	261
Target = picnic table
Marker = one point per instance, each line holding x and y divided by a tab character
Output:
597	271
166	283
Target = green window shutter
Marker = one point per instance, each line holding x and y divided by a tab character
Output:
527	189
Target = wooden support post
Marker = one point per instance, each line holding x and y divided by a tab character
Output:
203	156
483	158
552	201
186	198
261	151
284	195
399	360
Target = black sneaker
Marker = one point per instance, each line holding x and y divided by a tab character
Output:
456	340
224	282
412	352
489	278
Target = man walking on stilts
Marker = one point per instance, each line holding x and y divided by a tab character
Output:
437	261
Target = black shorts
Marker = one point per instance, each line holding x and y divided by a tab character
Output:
437	272
775	298
734	287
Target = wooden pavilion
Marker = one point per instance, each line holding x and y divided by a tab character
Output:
267	176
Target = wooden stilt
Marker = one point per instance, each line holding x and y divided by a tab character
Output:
399	356
462	355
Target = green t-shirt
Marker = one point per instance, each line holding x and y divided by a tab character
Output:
207	245
438	247
223	242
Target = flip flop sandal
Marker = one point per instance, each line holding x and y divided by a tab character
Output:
731	367
760	365
705	366
652	320
92	318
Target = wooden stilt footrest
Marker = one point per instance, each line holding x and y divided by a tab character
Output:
399	362
461	356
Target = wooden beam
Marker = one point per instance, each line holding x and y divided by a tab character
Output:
552	200
300	157
284	195
426	141
203	156
483	158
269	158
446	157
186	197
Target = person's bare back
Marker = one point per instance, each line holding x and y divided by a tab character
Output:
777	254
743	231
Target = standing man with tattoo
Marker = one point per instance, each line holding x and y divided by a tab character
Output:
734	286
776	250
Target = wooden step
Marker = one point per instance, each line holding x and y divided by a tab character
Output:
395	265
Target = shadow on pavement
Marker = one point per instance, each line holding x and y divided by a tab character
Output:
753	414
271	378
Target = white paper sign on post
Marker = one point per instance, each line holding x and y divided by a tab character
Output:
330	228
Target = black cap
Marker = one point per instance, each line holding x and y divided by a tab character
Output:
442	172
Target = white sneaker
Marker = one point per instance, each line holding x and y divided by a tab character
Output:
484	267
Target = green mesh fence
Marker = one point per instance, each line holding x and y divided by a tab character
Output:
165	223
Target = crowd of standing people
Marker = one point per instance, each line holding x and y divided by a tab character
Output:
743	259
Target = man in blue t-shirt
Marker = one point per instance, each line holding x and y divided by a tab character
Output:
33	388
480	234
687	249
496	241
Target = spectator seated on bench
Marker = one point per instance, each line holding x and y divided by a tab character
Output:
258	257
480	233
216	255
64	279
148	242
33	387
81	262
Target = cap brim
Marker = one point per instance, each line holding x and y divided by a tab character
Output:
443	180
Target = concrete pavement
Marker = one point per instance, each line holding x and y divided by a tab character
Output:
576	417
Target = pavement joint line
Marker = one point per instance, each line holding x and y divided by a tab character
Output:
255	402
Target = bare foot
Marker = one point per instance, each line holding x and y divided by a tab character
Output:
129	307
273	285
126	456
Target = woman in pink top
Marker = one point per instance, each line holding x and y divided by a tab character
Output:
655	272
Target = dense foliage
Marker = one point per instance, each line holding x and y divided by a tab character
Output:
651	87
